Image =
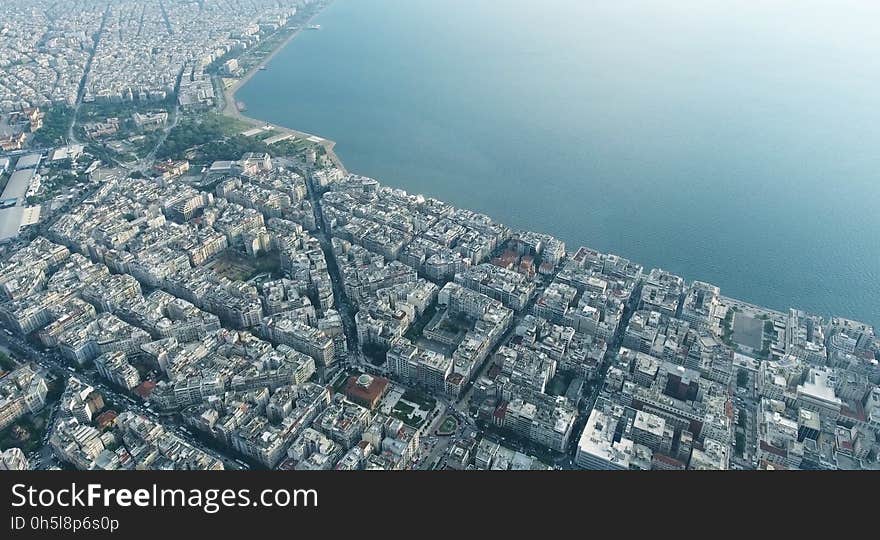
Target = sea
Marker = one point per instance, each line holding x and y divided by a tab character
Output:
736	143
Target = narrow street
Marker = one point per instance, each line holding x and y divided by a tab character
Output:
56	365
341	301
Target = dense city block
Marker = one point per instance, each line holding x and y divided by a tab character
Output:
247	302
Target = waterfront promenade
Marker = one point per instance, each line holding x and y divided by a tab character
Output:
229	107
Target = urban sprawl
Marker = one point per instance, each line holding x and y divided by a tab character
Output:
243	301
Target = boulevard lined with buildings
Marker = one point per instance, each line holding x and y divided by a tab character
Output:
220	306
120	50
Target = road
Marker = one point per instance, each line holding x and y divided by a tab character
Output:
147	161
341	302
462	405
745	400
71	135
54	364
434	445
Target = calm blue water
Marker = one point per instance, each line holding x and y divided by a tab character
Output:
733	142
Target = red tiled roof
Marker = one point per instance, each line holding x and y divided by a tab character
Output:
773	450
144	389
106	418
501	410
365	394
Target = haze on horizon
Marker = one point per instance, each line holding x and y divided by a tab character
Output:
735	143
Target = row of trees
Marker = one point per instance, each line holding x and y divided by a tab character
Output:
56	122
216	136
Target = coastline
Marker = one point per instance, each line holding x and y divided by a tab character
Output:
230	109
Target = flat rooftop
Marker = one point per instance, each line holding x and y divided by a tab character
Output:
748	331
278	138
18	184
28	161
10	222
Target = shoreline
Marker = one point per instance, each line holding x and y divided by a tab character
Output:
230	107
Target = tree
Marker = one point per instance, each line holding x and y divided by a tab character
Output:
215	136
742	378
6	363
55	125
